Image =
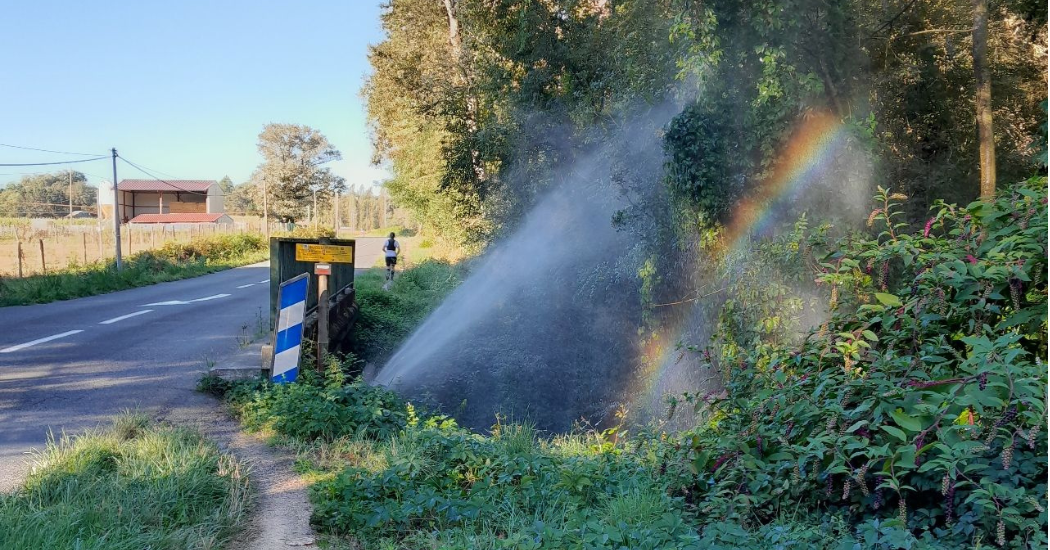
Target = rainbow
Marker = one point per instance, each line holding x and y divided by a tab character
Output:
813	145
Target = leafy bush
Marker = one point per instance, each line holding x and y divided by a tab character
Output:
916	412
171	262
318	407
136	485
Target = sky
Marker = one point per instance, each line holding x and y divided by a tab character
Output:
182	87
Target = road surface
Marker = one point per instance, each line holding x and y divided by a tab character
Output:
69	365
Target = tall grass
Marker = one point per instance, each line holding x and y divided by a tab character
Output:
135	485
171	262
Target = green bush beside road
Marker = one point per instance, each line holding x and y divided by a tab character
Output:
136	485
171	262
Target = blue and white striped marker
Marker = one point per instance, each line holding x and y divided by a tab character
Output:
292	299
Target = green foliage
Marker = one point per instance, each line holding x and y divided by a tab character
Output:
916	413
136	485
171	262
291	171
438	485
387	317
317	407
47	195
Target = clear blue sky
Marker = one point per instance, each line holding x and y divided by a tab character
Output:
183	87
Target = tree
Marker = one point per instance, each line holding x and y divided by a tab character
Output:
986	137
291	170
226	184
244	199
47	195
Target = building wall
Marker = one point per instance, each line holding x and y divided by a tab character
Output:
216	200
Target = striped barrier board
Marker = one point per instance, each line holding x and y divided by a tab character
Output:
291	299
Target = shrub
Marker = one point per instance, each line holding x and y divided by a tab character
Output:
318	407
917	411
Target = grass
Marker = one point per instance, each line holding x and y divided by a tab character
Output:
135	485
171	262
384	476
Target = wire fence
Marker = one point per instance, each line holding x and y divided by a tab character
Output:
35	246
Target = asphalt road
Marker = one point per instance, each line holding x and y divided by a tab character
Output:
69	365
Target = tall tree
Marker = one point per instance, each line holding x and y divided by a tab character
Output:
292	169
985	135
226	184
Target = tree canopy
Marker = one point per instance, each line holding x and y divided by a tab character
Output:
292	171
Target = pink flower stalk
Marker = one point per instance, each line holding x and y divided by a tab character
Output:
971	259
926	230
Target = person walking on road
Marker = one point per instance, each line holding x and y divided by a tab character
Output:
391	248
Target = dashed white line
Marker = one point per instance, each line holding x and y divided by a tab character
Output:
39	341
264	281
122	317
247	285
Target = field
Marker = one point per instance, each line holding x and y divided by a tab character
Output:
54	244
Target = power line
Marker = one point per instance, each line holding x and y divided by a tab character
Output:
53	163
48	150
144	171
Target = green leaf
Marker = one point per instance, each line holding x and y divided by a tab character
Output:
895	432
906	421
888	299
870	336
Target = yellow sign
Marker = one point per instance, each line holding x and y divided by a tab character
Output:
324	253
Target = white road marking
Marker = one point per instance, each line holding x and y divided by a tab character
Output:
168	303
122	317
247	285
39	341
182	302
264	281
206	298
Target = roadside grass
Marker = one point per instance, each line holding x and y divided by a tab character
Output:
387	317
171	262
384	476
134	485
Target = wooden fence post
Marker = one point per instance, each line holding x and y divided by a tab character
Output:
43	262
83	237
20	259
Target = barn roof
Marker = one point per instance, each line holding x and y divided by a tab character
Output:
177	218
173	186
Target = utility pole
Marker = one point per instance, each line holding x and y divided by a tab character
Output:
70	193
335	213
382	195
266	210
116	216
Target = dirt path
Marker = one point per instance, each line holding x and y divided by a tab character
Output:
280	518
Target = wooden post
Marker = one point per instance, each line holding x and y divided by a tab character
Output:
83	237
20	256
153	237
43	261
322	320
129	240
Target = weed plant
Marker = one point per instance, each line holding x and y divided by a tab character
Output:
171	262
135	485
